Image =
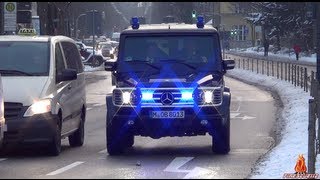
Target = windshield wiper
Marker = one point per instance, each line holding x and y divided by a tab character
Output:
178	61
144	62
16	72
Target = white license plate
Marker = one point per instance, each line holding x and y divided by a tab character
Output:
167	114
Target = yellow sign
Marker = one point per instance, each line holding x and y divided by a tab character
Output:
25	31
10	7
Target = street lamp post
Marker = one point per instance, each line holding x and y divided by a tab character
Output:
76	29
66	10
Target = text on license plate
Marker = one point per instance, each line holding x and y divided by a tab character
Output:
167	114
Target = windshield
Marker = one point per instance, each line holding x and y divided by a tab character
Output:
28	57
106	46
200	51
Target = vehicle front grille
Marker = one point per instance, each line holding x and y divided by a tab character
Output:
117	97
12	110
217	98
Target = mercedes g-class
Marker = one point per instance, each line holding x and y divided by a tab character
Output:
169	82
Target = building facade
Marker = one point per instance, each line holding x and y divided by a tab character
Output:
229	18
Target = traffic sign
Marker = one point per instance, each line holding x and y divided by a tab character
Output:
10	7
10	16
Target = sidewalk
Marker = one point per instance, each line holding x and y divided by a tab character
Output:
252	53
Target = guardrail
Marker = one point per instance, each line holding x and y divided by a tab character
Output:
298	75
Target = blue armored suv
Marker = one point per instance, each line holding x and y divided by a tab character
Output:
169	82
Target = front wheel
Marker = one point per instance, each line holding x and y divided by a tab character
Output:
96	62
221	138
77	138
55	145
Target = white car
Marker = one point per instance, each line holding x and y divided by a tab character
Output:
44	91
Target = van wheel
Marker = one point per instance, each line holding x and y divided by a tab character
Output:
55	144
77	138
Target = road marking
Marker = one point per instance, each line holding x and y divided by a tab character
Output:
234	114
88	109
2	159
247	117
95	105
177	163
103	151
197	172
244	117
180	161
61	170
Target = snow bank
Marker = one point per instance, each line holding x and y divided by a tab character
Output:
294	136
90	69
284	53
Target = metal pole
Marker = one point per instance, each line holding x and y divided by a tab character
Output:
93	13
305	79
76	29
311	137
318	40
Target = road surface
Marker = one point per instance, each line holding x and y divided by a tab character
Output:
252	120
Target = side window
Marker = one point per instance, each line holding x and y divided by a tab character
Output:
72	56
60	66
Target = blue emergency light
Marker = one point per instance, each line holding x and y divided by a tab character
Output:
200	21
186	95
135	23
147	96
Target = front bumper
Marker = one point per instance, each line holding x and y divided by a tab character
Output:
38	128
197	121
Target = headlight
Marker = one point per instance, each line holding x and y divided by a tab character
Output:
212	96
39	107
207	96
126	97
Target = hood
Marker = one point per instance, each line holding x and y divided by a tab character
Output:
23	89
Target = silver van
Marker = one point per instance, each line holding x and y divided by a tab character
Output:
44	91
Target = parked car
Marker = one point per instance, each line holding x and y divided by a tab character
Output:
87	54
44	91
107	50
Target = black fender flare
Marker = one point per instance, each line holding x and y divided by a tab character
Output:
225	107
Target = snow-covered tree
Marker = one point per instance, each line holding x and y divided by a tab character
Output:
283	19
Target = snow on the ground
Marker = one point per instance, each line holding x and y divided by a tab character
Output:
90	69
294	136
284	53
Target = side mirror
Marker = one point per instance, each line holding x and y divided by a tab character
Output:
228	64
67	75
111	56
109	65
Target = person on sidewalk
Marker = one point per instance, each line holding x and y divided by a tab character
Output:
266	47
297	51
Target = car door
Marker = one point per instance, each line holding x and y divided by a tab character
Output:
76	92
63	93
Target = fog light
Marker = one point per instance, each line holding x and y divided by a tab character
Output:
204	122
130	122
